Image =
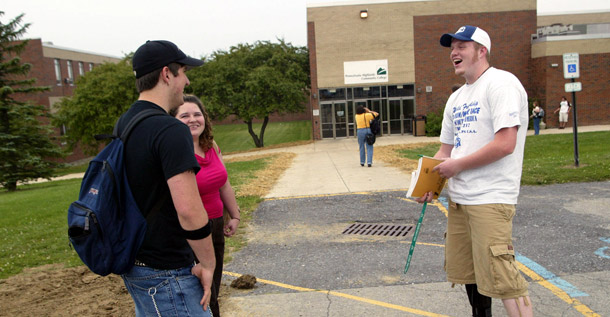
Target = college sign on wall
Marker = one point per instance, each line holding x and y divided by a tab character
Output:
364	72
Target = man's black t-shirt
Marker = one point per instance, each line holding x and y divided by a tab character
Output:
159	148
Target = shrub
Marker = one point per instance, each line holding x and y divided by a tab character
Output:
434	122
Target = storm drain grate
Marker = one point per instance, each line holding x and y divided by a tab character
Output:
373	229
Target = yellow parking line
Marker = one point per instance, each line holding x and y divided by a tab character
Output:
348	296
580	307
575	303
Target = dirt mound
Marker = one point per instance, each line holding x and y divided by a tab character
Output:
52	290
244	282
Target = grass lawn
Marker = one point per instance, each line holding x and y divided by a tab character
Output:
549	159
235	137
33	226
34	230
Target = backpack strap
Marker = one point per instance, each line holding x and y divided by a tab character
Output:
130	125
133	122
124	135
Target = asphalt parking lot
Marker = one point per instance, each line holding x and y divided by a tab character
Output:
307	266
311	268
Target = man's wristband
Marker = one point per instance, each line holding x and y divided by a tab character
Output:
198	234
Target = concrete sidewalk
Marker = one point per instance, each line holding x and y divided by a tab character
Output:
331	166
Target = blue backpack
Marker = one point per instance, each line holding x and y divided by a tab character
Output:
105	225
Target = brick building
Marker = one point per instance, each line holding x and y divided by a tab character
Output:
587	34
385	54
58	68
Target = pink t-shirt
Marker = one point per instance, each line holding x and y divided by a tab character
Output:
210	178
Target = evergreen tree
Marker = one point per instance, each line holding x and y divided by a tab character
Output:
26	144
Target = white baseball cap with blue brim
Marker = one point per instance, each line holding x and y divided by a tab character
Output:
468	33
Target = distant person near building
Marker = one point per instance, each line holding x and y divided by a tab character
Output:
537	116
363	127
564	109
482	142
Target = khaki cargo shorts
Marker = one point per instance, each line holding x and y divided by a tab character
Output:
479	250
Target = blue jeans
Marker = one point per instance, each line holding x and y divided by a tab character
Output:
362	143
536	126
165	292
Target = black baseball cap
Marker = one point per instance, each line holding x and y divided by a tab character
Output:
153	55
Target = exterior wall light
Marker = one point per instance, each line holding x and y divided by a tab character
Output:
364	14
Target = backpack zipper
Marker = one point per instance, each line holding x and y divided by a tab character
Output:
90	216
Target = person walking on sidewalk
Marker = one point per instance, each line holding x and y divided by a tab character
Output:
482	141
161	166
564	110
363	127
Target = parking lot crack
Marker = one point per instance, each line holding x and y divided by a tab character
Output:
330	301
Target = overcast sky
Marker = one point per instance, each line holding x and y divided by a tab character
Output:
198	27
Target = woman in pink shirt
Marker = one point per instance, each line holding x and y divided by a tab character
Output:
214	187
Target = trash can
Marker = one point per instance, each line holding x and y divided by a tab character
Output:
419	126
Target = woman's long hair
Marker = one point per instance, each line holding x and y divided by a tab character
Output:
206	139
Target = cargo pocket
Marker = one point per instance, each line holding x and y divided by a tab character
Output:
504	271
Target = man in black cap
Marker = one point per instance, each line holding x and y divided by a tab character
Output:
161	168
482	142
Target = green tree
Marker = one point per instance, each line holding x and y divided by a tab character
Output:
99	99
253	82
27	145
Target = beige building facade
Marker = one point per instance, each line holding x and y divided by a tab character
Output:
386	55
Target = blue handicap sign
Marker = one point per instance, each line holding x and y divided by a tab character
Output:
571	68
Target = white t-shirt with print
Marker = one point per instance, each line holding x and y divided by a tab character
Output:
473	114
564	106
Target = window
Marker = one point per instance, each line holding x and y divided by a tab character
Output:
405	90
367	92
81	68
57	72
70	79
90	66
332	94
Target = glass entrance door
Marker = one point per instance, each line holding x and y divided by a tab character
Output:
326	120
396	117
401	113
333	119
408	112
340	119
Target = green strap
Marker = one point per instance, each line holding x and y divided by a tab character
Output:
415	234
